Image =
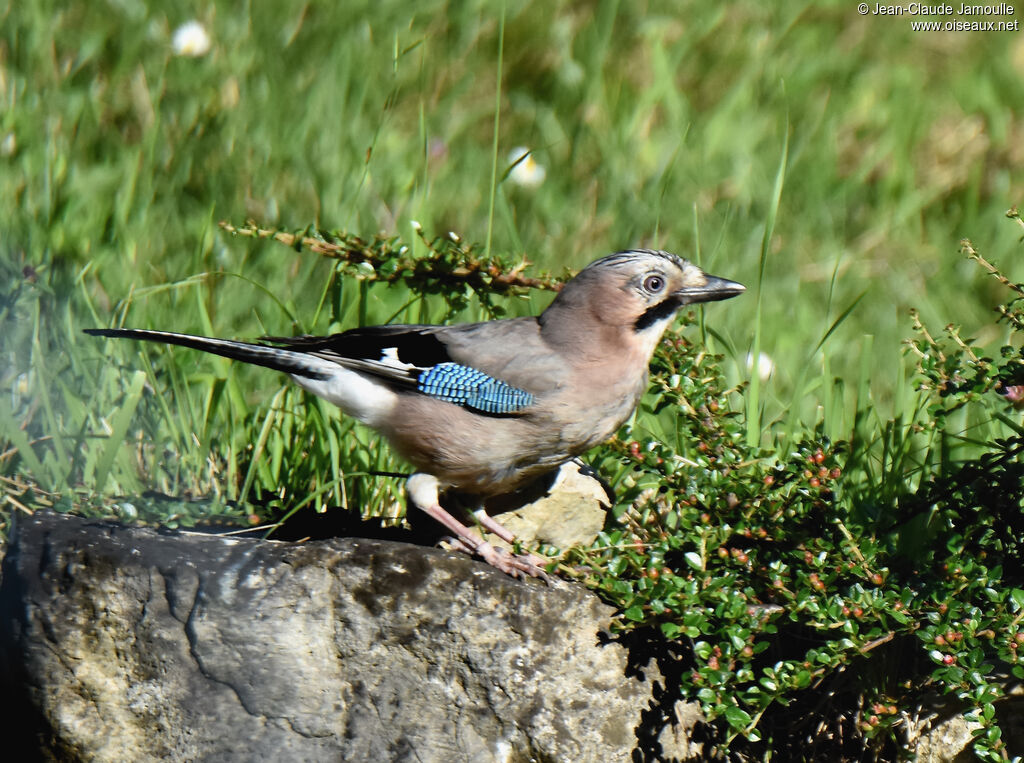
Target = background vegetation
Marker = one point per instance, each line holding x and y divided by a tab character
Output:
830	161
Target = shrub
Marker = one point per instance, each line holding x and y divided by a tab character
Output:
815	602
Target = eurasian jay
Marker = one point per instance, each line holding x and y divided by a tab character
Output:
484	408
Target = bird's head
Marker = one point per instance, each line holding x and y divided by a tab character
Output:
637	291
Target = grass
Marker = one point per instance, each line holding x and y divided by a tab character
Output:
658	124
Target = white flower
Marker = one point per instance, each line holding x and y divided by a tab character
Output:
765	365
526	171
191	39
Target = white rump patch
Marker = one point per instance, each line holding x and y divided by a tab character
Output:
358	395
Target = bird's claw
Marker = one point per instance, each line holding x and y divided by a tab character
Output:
517	565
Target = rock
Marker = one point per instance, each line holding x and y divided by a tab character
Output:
938	732
570	511
946	741
674	740
123	643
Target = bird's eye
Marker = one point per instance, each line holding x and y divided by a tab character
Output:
654	284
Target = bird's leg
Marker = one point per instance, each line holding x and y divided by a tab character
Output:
492	525
423	491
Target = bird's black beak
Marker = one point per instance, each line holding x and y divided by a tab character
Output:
713	290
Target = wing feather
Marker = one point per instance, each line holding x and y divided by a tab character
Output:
429	359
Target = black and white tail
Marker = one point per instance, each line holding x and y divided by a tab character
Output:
289	361
362	396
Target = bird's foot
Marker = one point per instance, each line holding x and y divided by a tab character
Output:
534	559
516	565
491	525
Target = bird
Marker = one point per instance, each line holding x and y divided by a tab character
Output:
483	409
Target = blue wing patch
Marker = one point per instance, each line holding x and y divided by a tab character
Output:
473	389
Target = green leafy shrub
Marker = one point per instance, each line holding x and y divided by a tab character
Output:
813	602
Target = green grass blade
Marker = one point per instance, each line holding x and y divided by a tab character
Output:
497	125
17	437
119	424
838	321
261	443
754	393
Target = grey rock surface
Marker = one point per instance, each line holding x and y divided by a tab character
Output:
129	644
